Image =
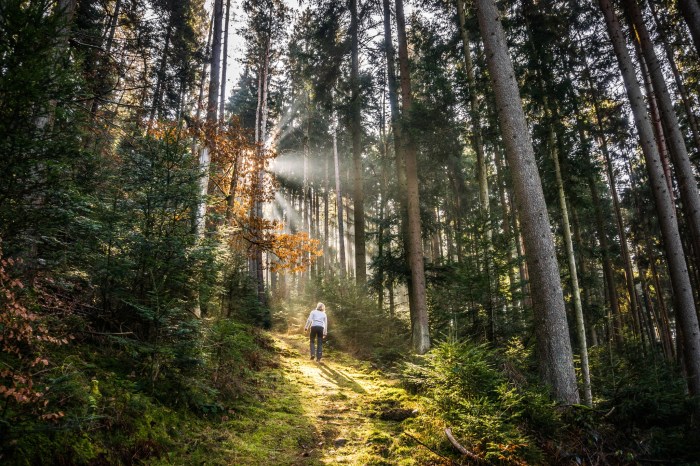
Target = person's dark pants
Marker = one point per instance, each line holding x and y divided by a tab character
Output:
316	349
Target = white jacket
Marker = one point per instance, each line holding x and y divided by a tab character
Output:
317	319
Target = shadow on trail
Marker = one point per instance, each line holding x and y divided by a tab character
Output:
340	379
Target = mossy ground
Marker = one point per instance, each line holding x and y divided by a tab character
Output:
338	412
293	411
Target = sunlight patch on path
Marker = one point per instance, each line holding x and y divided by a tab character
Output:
333	395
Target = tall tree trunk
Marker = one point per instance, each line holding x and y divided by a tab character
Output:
305	187
690	9
481	166
680	280
507	229
571	257
257	266
356	132
419	310
158	93
554	347
326	189
113	21
215	64
212	105
662	27
687	185
608	273
624	248
339	200
397	134
222	100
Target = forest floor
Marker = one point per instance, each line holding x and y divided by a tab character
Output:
336	412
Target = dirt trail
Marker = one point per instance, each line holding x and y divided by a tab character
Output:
351	407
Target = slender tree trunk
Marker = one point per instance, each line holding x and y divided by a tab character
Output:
212	105
222	100
113	21
571	257
680	280
305	187
157	94
507	228
587	296
419	310
215	64
664	309
481	165
551	327
690	9
624	248
261	136
608	273
326	188
339	201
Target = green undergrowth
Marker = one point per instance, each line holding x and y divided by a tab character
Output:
234	407
499	412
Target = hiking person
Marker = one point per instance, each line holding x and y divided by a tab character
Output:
318	323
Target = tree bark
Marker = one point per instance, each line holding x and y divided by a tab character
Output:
680	280
687	185
215	64
571	257
554	348
339	200
419	311
683	91
356	133
157	94
624	248
222	100
481	166
690	9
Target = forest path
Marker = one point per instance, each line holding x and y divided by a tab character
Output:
358	414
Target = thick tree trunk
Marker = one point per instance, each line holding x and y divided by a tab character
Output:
419	310
687	185
356	133
662	27
690	9
680	280
554	347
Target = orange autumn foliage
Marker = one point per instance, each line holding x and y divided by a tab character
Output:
22	336
239	178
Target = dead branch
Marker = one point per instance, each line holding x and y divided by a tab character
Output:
462	450
429	449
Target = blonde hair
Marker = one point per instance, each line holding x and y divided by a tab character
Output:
321	307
